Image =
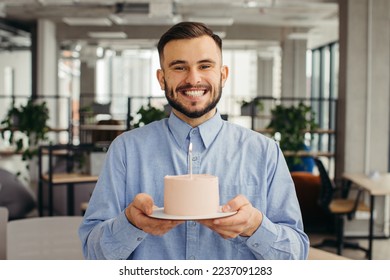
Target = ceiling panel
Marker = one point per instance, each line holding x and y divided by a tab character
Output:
255	20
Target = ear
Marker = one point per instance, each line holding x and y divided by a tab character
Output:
224	74
160	78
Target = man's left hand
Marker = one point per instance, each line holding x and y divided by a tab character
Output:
245	222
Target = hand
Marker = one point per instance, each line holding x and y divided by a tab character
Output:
137	214
245	222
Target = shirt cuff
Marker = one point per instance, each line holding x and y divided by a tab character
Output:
126	237
262	239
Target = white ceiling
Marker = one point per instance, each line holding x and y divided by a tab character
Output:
254	23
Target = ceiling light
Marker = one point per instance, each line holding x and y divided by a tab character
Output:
127	19
298	36
257	3
107	35
213	20
87	21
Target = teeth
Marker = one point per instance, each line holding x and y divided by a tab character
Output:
195	93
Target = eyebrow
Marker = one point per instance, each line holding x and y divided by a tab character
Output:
175	62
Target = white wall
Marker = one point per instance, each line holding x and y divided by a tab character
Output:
20	62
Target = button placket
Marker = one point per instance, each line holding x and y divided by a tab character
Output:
192	239
195	139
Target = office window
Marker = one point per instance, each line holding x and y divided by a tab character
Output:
132	73
324	85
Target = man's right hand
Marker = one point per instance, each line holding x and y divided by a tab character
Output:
137	214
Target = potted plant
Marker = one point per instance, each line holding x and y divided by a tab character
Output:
252	107
292	123
31	121
149	114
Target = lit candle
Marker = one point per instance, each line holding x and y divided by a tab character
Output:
190	160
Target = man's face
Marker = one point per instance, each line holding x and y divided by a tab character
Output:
192	77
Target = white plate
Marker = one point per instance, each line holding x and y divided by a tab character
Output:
158	213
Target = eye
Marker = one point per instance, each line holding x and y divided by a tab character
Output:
179	68
205	66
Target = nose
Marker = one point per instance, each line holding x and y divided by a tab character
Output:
193	77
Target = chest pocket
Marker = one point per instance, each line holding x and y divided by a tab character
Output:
251	191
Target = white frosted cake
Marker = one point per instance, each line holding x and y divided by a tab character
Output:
191	196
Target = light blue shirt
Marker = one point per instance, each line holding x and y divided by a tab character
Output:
245	162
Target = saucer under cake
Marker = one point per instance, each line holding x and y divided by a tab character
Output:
159	213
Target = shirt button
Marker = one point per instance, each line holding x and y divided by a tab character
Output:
193	224
195	158
194	132
192	257
139	238
256	245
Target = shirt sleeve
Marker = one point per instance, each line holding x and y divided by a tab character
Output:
280	235
114	239
278	242
105	232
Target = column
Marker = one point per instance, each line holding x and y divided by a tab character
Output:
294	68
362	136
88	59
47	58
363	123
264	74
265	64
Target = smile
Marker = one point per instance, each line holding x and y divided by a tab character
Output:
194	93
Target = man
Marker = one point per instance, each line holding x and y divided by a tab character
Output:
253	177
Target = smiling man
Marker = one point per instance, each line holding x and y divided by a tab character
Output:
253	176
196	76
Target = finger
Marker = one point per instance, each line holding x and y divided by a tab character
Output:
235	220
226	231
144	203
207	222
159	227
235	204
240	217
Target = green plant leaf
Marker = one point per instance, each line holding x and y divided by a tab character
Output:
292	122
31	120
149	114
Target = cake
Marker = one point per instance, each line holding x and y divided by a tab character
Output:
191	195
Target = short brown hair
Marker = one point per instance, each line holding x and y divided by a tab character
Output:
187	30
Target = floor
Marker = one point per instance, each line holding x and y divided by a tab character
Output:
381	247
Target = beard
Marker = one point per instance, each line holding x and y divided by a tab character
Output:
169	94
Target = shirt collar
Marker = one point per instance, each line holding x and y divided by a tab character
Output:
208	130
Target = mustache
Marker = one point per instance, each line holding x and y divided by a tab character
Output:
188	87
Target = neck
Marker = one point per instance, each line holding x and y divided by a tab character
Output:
194	122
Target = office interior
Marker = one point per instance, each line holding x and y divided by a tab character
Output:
94	62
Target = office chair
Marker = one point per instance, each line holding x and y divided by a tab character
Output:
339	207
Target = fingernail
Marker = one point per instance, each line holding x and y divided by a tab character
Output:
227	208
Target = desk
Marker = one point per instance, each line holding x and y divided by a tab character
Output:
376	187
68	178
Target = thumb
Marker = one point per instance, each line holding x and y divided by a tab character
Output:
235	204
145	203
